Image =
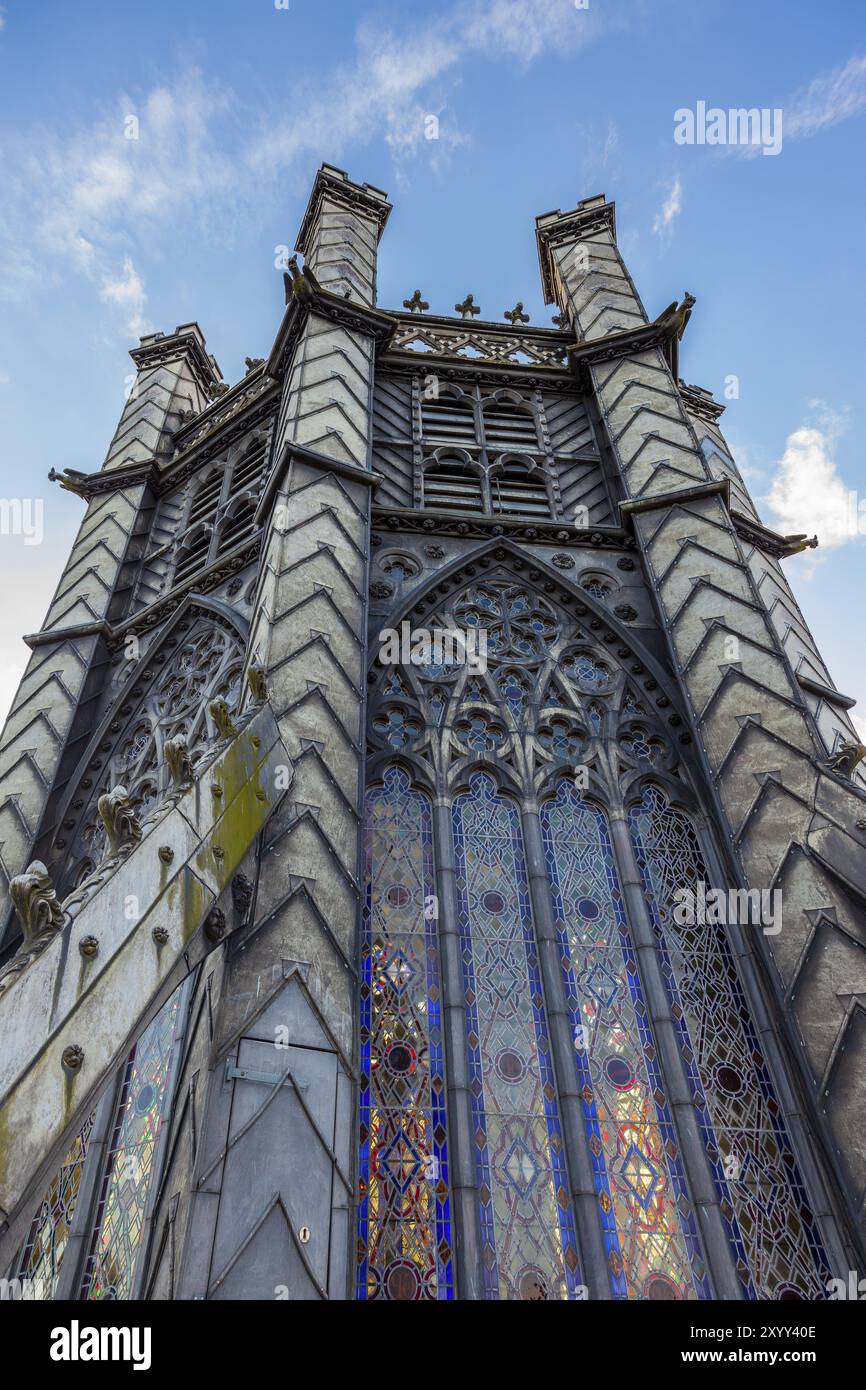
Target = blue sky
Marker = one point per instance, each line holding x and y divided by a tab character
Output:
539	103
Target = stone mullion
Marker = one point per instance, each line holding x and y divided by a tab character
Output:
594	1263
461	1136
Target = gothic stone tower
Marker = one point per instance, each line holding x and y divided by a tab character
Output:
336	968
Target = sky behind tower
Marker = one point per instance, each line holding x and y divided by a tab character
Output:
154	158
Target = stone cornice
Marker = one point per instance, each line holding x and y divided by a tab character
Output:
333	183
826	692
678	497
660	333
410	520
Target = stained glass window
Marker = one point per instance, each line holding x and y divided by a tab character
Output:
771	1228
527	1226
120	1214
49	1234
648	1223
404	1235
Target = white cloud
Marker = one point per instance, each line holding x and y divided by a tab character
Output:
806	494
203	156
829	99
128	293
670	209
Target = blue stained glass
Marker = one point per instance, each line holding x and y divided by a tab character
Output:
649	1227
773	1232
404	1213
529	1248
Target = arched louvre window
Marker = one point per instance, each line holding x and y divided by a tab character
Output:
451	483
404	1209
221	509
126	1185
528	1242
519	490
763	1199
649	1226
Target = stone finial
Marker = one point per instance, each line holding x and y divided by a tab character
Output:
846	757
219	713
179	762
121	823
36	903
257	682
416	305
251	363
468	308
516	315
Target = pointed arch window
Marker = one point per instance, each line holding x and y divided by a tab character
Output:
404	1215
553	696
452	482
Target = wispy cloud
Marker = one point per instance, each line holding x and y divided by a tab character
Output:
670	209
128	292
194	149
807	494
836	96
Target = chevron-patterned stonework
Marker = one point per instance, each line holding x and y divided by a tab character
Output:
594	515
791	826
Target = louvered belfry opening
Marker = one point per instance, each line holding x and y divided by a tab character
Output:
519	490
222	510
497	463
452	484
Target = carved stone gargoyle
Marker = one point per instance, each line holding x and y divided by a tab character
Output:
179	762
219	712
846	758
71	479
257	682
39	913
121	823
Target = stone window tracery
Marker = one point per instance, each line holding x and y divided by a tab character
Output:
558	732
202	661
